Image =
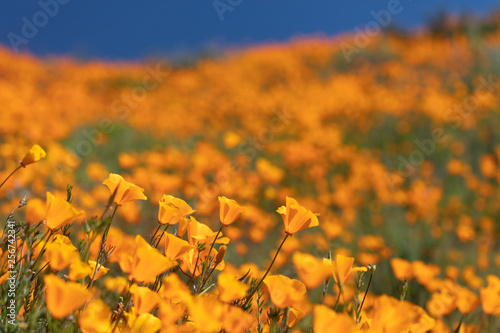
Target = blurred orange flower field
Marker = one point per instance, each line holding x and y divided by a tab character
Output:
268	189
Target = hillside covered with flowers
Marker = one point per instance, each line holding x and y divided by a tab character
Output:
283	187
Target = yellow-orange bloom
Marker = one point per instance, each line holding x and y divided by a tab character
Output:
394	316
59	212
402	268
206	312
78	270
125	191
230	288
234	319
175	247
60	253
311	270
63	298
118	284
144	299
95	317
146	322
102	270
284	292
490	296
35	154
294	316
174	289
172	209
342	268
296	217
147	262
327	320
467	301
230	210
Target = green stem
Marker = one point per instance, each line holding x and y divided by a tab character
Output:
98	265
338	299
151	240
13	172
43	248
210	251
161	235
366	292
268	269
195	265
325	290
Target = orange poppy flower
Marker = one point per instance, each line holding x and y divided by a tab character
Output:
78	270
125	191
147	262
490	296
174	290
59	212
201	233
144	299
102	270
172	210
294	316
284	292
230	288
60	253
95	317
296	217
175	247
118	284
229	210
35	154
402	268
146	322
327	320
467	301
63	298
234	319
311	270
342	268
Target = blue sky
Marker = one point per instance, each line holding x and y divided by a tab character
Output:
133	29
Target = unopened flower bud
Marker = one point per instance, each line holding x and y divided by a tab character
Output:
220	256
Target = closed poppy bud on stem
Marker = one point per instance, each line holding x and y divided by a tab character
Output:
230	210
220	256
35	154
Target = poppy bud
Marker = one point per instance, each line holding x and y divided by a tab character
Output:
35	154
220	256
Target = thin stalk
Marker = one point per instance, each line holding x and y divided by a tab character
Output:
366	292
338	300
325	290
101	250
13	172
43	247
194	269
268	269
209	251
161	235
208	276
284	321
154	235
